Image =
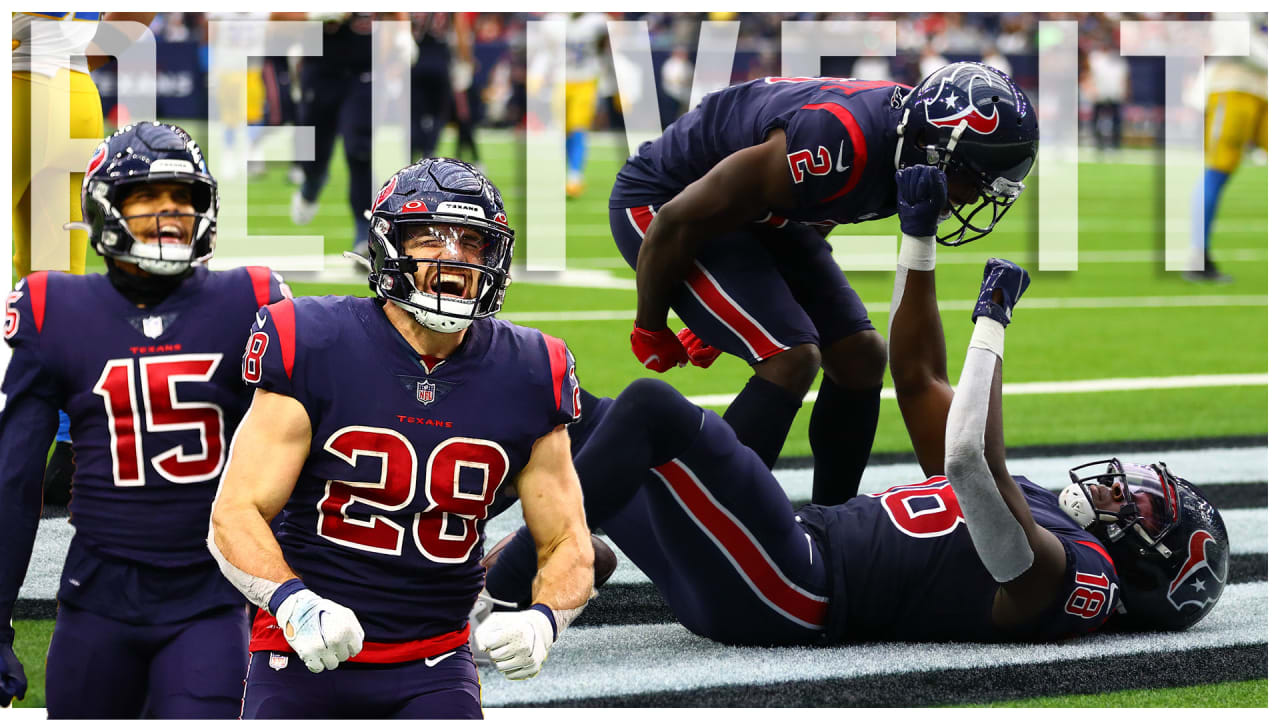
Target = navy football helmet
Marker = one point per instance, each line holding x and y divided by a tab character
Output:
972	121
1168	542
148	152
439	192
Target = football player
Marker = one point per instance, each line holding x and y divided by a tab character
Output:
56	80
143	359
1235	117
724	219
381	431
701	515
337	99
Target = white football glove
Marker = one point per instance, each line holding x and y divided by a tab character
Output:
461	74
517	642
322	632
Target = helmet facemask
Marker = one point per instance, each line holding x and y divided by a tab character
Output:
456	289
146	239
1147	501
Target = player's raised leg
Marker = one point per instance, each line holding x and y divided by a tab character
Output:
702	516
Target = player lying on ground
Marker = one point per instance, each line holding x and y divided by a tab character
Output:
380	433
972	554
143	359
724	219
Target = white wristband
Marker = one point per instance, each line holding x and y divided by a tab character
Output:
917	253
989	335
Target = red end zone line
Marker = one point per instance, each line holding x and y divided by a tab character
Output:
748	558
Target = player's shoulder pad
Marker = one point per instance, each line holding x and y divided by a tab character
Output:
25	307
553	366
826	147
268	286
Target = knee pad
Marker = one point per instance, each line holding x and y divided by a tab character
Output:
653	408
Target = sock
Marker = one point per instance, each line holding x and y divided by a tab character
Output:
362	231
511	577
64	428
841	431
1214	180
761	416
576	149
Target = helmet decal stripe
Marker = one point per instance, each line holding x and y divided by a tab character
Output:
855	137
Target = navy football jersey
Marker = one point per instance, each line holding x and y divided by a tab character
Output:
840	146
154	395
348	45
387	516
903	567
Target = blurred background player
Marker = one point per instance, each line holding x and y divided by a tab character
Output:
725	218
337	99
1234	118
586	37
143	359
442	83
39	83
385	484
1106	89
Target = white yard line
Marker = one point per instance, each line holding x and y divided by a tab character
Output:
1173	382
961	257
1061	303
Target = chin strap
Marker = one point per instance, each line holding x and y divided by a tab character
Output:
145	290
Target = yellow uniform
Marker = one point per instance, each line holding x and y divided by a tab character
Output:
38	82
583	66
1236	112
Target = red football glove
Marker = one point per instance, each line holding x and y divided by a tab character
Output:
659	351
700	353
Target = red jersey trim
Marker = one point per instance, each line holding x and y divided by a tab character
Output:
1101	551
38	284
855	136
282	315
261	278
267	635
557	354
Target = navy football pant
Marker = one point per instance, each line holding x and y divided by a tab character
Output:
100	667
758	290
704	518
337	102
448	688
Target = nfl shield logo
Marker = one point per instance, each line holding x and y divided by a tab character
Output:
426	392
278	661
153	327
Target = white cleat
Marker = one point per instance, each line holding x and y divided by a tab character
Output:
303	212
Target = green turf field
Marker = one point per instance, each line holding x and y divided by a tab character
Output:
1113	318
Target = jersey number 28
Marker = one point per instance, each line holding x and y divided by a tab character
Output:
447	530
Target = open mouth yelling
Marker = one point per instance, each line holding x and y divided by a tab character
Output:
450	282
168	232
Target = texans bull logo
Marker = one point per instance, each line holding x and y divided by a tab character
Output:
954	103
96	161
1202	575
386	191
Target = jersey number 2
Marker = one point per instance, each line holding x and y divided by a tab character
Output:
163	411
446	531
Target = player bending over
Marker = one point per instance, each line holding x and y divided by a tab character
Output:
724	219
143	360
380	433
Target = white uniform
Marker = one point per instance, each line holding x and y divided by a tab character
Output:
582	37
75	32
